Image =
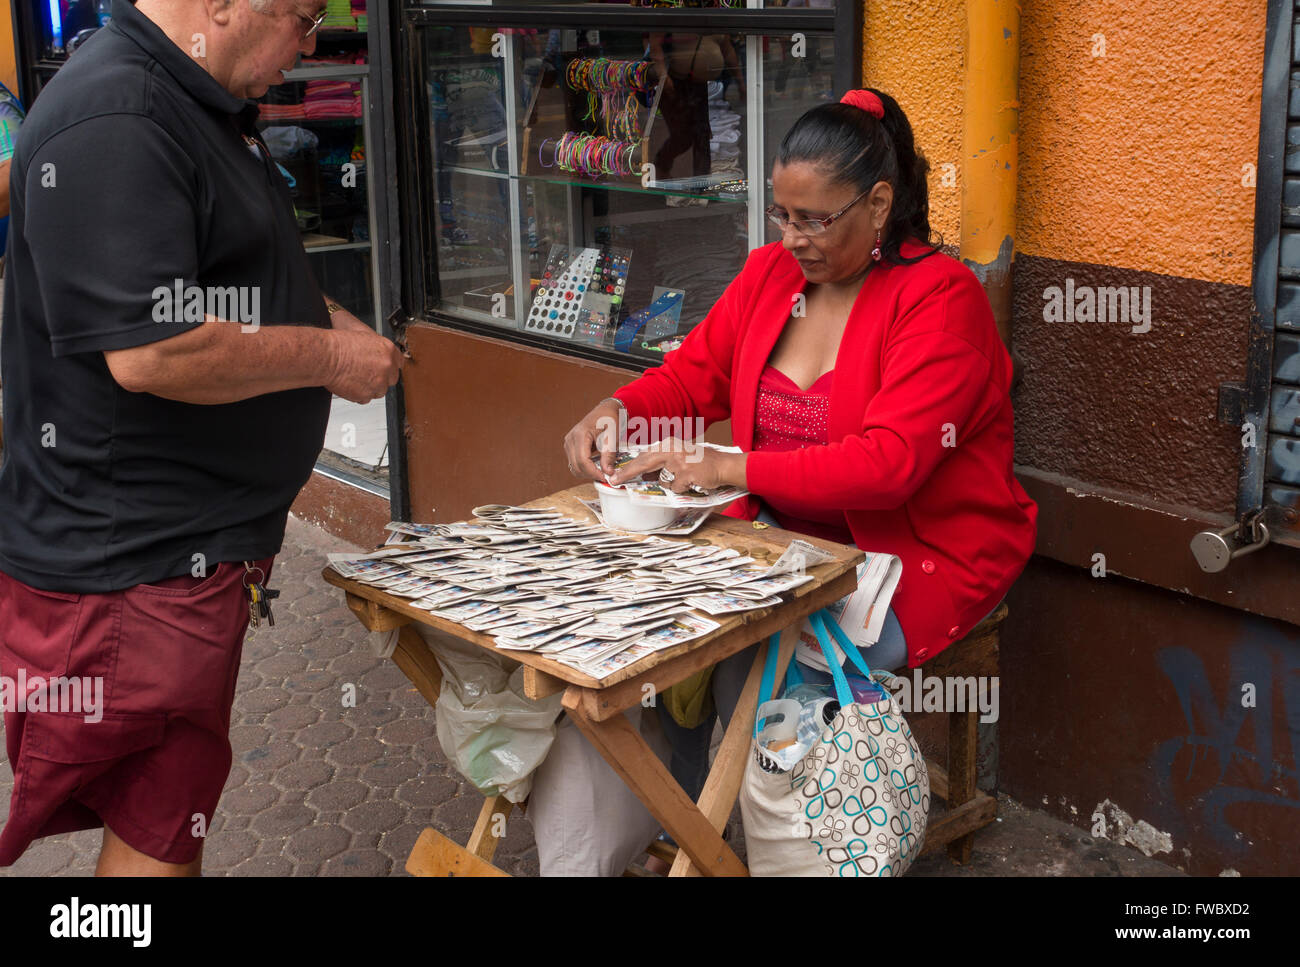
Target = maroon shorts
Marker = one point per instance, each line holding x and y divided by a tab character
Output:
153	753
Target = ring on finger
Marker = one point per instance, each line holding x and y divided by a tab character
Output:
666	476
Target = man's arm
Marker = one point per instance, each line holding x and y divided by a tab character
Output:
218	362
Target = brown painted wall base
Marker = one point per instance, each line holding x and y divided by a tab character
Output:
1180	713
343	510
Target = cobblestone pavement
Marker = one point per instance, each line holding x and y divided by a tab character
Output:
318	789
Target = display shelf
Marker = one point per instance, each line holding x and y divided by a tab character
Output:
334	201
329	244
632	187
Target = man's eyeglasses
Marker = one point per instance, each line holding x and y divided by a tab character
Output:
313	22
808	226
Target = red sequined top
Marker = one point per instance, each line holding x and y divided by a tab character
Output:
789	418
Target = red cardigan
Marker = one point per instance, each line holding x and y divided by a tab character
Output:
920	427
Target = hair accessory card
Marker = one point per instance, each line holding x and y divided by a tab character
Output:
661	316
578	286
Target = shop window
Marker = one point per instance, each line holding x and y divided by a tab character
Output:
594	189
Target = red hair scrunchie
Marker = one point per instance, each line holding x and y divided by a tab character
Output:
866	100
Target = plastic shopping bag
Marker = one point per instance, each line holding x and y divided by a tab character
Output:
494	735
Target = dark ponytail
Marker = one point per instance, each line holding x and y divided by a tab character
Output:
859	149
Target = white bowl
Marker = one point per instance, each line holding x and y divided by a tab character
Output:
621	511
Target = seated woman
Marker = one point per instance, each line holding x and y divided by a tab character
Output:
866	386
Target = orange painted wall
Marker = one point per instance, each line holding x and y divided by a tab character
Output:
1133	157
8	57
914	52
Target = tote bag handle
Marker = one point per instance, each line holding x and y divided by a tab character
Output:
821	622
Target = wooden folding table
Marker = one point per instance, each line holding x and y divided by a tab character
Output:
597	706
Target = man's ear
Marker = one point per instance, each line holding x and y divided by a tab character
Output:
220	11
879	202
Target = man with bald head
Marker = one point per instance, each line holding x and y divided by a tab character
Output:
168	366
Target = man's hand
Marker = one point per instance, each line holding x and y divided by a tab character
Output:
365	363
689	464
590	446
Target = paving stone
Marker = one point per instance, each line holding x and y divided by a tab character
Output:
281	664
398	842
406	731
264	699
238	776
409	698
250	798
294	716
266	759
318	843
385	677
376	712
265	866
245	737
325	647
526	865
292	631
323	735
273	846
303	775
312	604
284	820
355	751
313	681
353	665
46	857
427	792
459	812
341	615
374	817
341	794
391	770
369	862
225	850
430	750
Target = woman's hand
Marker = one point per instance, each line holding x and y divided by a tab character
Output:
590	446
688	464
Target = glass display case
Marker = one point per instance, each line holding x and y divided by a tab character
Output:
590	177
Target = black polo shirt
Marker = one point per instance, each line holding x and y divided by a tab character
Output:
132	178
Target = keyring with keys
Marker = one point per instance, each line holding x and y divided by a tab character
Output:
259	596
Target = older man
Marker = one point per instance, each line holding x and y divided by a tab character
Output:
168	365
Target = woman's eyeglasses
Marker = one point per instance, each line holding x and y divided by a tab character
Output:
807	226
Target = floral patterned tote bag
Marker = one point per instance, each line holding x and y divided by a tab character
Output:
855	802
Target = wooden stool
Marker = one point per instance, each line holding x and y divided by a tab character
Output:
969	808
